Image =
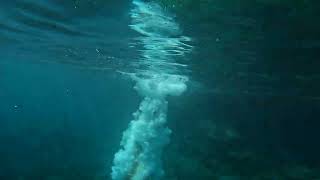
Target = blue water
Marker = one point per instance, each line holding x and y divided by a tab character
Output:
58	84
65	97
51	122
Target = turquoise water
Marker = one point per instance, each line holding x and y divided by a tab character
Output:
230	97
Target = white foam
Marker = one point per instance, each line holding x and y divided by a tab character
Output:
161	86
142	143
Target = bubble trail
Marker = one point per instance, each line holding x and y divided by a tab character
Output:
139	157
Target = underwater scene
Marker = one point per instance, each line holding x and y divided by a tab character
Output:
159	90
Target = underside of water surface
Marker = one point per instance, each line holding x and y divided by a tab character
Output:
159	89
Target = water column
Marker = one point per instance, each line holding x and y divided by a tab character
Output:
142	143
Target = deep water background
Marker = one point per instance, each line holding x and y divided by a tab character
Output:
61	121
63	106
251	111
258	63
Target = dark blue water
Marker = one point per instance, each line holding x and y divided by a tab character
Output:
251	110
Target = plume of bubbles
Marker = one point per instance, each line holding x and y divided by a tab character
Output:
142	143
